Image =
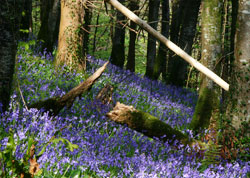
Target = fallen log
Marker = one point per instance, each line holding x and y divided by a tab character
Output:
147	124
210	74
56	104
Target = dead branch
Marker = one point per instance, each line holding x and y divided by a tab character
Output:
56	104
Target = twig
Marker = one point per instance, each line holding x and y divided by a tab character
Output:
25	105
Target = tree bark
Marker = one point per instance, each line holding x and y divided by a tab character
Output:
153	15
161	59
56	104
134	6
87	22
50	14
187	27
146	124
10	13
207	107
70	44
170	44
239	107
118	48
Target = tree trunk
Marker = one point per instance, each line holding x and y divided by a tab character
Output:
134	6
146	124
10	13
87	22
70	44
208	102
183	27
178	67
50	14
26	20
233	29
153	15
161	59
239	108
118	48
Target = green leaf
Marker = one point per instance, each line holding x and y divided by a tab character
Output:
30	142
75	174
27	46
24	30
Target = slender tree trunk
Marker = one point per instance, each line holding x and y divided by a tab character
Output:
26	20
153	15
87	22
10	13
134	6
183	33
160	65
239	108
71	35
207	107
118	48
49	16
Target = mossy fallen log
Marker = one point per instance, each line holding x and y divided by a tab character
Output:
147	124
56	104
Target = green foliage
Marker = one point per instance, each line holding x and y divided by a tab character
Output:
211	157
22	166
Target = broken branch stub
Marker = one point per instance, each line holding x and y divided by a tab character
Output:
169	44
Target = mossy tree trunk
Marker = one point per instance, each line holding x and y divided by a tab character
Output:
153	16
207	107
118	48
161	59
146	124
10	13
238	110
70	43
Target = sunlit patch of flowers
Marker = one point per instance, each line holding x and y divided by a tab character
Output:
106	149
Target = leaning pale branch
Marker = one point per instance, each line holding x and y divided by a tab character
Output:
169	44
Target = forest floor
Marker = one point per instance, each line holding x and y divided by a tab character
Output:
87	144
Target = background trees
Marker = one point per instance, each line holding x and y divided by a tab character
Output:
50	20
118	40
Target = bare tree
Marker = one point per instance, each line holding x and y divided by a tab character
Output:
134	6
118	48
153	16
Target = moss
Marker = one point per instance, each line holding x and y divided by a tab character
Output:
153	127
203	110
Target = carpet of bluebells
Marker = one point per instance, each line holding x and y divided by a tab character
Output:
105	149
